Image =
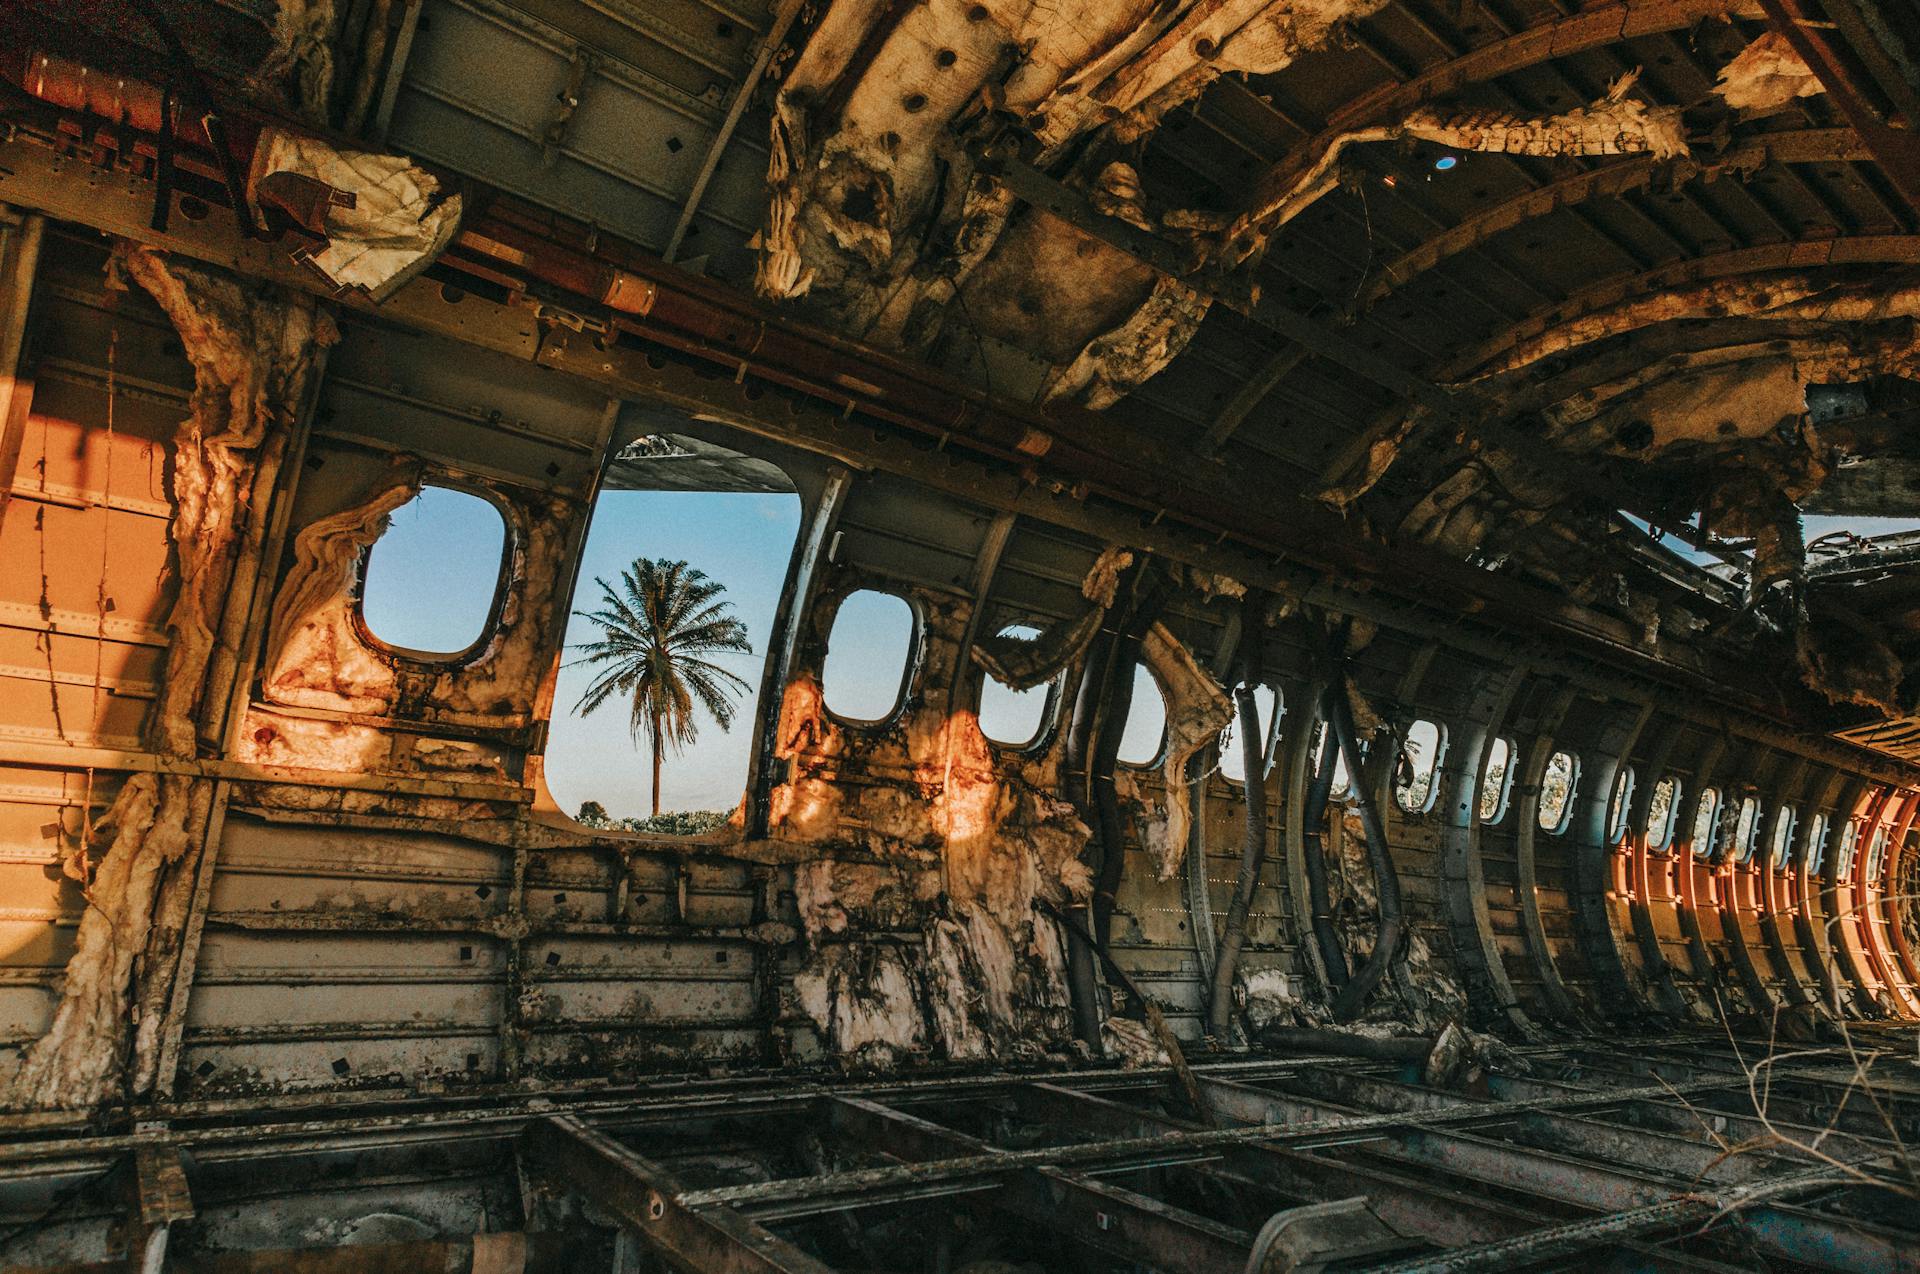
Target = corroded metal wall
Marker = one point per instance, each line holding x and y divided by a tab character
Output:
384	895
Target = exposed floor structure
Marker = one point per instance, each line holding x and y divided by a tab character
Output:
1345	695
1696	1154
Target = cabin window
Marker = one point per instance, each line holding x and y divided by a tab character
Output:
1146	734
1342	783
1817	844
1746	831
1233	758
1663	810
1785	820
1557	787
1015	718
680	526
1706	822
431	580
1849	849
869	654
1620	805
1420	753
1496	784
1876	855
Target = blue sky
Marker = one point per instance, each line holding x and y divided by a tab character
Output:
430	584
1812	527
742	540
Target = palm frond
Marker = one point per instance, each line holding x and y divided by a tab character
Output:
653	628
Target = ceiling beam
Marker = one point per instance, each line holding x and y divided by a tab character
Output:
1801	146
1806	254
1576	33
1820	35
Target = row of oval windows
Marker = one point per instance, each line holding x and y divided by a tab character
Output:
870	654
869	660
872	646
1562	779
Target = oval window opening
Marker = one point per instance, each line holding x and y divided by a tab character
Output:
1233	756
1496	786
1876	856
1663	809
867	656
1785	819
1745	828
1322	740
1706	821
1620	805
432	576
1420	762
1556	792
1849	847
1014	718
1817	843
1141	742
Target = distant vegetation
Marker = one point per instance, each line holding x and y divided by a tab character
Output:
678	823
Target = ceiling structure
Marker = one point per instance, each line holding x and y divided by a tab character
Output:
1474	277
1469	361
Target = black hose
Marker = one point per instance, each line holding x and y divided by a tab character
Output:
1386	880
1253	840
1326	937
1086	738
1083	983
1106	755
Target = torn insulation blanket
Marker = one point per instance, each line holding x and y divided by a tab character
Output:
254	352
1766	75
1616	124
881	225
1197	710
1023	663
922	934
383	219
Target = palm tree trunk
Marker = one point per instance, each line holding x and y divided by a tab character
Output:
655	740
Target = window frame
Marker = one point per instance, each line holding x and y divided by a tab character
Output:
1160	748
1269	745
1819	829
1786	823
509	542
1620	804
1435	769
1873	862
1742	851
1848	853
910	666
1664	842
1503	802
1559	828
1049	710
1702	849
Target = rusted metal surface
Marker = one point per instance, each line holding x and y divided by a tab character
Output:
375	917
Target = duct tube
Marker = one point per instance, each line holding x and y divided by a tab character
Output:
1326	938
1082	979
1253	842
1100	712
1106	753
1386	881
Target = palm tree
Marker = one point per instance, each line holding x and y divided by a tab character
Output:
654	631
